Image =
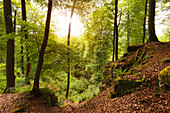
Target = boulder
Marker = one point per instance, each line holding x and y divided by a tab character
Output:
123	87
164	78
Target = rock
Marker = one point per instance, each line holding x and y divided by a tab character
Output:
164	78
51	99
123	87
49	96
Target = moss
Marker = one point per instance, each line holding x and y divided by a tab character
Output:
127	54
102	87
108	76
118	78
122	60
141	55
112	94
164	76
166	60
20	109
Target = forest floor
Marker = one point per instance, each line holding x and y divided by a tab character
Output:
144	99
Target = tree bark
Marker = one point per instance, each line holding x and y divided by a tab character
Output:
24	18
144	22
35	89
22	57
10	45
151	22
68	44
128	29
116	30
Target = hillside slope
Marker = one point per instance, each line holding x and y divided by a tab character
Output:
146	98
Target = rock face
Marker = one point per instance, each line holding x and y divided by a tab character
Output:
125	71
164	78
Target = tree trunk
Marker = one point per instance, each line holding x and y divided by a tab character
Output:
10	45
144	23
116	30
15	15
35	89
128	30
68	43
24	18
113	53
151	22
22	57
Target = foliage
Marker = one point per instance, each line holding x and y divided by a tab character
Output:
89	93
120	72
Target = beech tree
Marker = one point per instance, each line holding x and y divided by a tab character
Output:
68	43
151	22
144	23
115	40
10	45
35	89
28	66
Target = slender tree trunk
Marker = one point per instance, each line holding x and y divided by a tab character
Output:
35	89
24	18
10	45
116	29
151	22
68	44
144	22
113	53
15	15
22	57
128	30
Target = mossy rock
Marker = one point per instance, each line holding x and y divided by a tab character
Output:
49	96
164	78
123	87
51	99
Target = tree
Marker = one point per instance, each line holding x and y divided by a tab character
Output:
10	45
35	89
68	43
28	66
144	23
115	40
151	22
2	32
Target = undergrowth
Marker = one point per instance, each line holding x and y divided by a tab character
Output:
80	89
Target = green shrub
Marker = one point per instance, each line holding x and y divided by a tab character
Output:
78	86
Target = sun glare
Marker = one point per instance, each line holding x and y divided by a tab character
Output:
62	23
